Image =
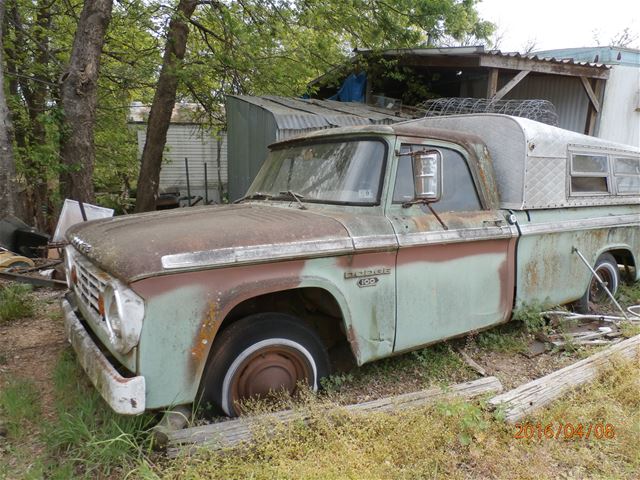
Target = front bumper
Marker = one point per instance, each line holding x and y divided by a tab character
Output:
124	395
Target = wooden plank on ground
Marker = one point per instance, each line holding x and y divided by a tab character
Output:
526	398
218	436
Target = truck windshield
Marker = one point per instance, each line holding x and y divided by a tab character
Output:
344	172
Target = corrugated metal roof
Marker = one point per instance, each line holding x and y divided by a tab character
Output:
303	114
562	61
605	55
475	51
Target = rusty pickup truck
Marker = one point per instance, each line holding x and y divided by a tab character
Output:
381	238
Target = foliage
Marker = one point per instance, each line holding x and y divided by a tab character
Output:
15	301
250	47
530	317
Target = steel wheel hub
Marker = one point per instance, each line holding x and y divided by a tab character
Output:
272	369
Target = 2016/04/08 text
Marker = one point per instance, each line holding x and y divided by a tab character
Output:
564	431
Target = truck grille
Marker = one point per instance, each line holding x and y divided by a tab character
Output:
89	287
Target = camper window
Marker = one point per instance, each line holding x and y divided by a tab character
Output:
627	172
589	174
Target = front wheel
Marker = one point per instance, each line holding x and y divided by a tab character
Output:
607	269
259	355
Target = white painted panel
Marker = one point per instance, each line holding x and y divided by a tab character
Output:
199	147
620	116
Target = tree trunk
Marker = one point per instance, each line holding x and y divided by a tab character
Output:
7	163
163	102
79	86
30	136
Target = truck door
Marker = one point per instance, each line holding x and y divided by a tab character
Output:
454	278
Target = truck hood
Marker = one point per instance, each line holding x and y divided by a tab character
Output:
133	247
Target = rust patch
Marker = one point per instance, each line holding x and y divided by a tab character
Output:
452	251
204	335
507	273
367	260
353	341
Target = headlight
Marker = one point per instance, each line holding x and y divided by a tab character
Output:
123	314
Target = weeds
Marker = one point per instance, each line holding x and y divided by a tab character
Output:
15	301
88	437
530	317
19	404
507	338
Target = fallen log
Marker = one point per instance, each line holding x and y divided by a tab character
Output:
526	398
231	433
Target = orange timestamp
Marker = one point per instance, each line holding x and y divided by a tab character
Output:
564	431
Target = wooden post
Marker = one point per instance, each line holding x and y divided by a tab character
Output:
492	82
526	398
592	111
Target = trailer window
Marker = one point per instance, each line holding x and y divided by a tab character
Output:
627	175
589	174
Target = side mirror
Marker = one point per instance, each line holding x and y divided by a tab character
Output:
427	175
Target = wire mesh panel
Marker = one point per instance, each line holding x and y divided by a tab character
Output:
540	110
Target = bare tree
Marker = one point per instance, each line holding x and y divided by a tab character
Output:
163	102
79	85
7	162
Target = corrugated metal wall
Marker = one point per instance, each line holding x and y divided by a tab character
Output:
251	129
566	93
189	141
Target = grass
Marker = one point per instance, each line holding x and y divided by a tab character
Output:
19	405
15	301
450	440
87	437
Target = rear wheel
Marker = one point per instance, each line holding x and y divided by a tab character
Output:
607	269
259	355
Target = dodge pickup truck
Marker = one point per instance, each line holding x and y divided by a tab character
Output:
382	238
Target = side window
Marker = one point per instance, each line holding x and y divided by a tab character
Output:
627	175
458	190
589	174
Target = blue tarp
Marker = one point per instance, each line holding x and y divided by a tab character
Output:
353	89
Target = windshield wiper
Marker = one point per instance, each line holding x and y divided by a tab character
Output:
254	196
296	196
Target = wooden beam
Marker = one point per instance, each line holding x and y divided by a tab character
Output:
223	435
492	82
590	93
531	396
510	84
540	66
592	113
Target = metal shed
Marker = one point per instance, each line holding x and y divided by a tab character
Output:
253	123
